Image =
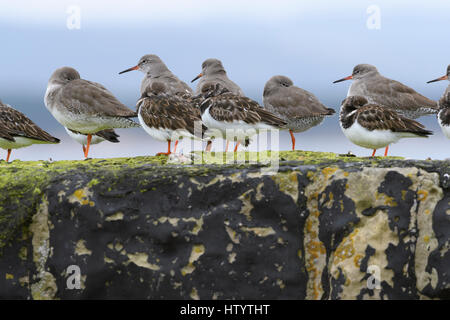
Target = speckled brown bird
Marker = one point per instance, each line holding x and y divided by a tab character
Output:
18	131
168	117
372	126
299	108
243	117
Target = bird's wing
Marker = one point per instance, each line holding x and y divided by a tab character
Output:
394	94
14	123
229	108
294	102
374	117
169	112
91	98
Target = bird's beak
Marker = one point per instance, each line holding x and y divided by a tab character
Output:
343	79
130	69
197	77
438	79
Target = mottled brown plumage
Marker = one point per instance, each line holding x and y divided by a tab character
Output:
160	110
15	124
375	117
225	106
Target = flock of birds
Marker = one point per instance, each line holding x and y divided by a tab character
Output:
377	111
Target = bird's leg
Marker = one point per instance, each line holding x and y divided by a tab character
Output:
226	147
236	146
168	149
86	151
84	148
208	146
7	156
386	151
175	148
373	153
293	140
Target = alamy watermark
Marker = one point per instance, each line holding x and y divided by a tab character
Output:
73	21
74	277
373	282
374	19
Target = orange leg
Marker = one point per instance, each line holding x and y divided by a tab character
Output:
373	153
175	148
208	146
386	151
86	151
236	146
84	148
226	147
7	156
293	140
168	149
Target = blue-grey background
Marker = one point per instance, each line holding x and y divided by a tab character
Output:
312	42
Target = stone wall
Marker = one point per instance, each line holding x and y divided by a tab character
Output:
322	227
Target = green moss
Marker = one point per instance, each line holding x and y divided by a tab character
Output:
23	182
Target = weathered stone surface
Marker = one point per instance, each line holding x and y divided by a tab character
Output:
322	227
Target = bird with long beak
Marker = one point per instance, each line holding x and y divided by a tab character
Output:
444	106
446	77
84	106
156	71
388	93
213	73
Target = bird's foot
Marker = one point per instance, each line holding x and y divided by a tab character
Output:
163	153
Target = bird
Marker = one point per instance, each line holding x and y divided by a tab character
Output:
372	126
18	131
156	70
227	112
444	106
107	134
168	117
299	108
84	106
369	83
214	73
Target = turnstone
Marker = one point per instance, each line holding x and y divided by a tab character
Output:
84	106
372	126
18	131
156	71
214	73
299	108
168	117
444	106
369	83
108	134
243	117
